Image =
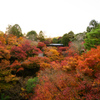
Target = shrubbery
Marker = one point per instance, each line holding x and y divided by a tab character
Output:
31	83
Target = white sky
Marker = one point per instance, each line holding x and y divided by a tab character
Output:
54	17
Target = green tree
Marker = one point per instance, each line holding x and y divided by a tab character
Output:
31	83
80	37
55	40
71	35
41	36
59	39
15	30
92	38
32	35
92	25
65	39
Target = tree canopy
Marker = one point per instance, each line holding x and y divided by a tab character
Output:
15	30
92	25
41	36
92	38
65	39
71	35
32	35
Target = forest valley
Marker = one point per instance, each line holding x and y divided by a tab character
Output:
71	72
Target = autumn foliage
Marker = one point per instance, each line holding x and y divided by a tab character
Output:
62	73
89	63
74	78
57	85
41	45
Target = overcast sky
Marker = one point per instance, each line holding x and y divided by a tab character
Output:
53	17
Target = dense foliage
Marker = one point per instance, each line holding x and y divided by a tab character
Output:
32	35
15	30
92	38
71	72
